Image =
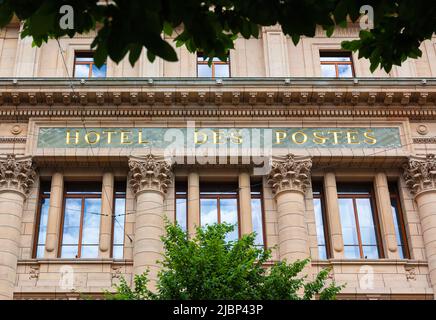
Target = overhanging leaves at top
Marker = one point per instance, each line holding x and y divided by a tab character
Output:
126	27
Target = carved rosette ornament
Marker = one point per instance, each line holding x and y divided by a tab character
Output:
290	173
149	173
17	173
420	174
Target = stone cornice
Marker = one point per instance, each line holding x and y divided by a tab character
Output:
234	97
420	174
149	173
290	173
17	173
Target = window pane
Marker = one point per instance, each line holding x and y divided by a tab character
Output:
98	72
352	252
181	213
319	221
348	222
69	251
85	58
204	71
222	70
256	210
73	208
89	251
322	250
328	70
209	213
322	253
42	232
118	252
335	59
345	71
81	70
370	252
366	222
91	222
229	214
120	211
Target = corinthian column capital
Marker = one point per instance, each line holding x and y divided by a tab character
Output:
16	173
290	173
149	174
420	173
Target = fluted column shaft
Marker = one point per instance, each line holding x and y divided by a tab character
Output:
17	175
290	178
107	203
149	179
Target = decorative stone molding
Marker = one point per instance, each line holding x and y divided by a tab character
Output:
420	173
290	173
34	272
149	173
17	173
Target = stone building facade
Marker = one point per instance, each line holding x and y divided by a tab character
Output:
301	144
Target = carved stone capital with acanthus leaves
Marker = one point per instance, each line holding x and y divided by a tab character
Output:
290	173
16	173
149	173
420	173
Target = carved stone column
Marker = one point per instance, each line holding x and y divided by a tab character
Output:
17	176
289	179
246	218
149	179
193	203
420	177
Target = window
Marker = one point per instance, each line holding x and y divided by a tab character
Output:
336	65
119	219
84	66
219	204
400	230
358	218
41	232
81	220
218	69
257	213
321	227
182	205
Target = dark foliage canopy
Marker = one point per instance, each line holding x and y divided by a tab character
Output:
125	27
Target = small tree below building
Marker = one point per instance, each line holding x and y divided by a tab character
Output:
208	267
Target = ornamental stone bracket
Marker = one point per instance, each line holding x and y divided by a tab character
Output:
290	173
420	173
17	173
149	173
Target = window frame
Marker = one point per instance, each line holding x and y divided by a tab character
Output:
336	64
375	216
394	196
84	54
82	196
201	61
37	227
321	197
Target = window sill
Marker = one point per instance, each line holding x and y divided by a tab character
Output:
332	262
75	261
